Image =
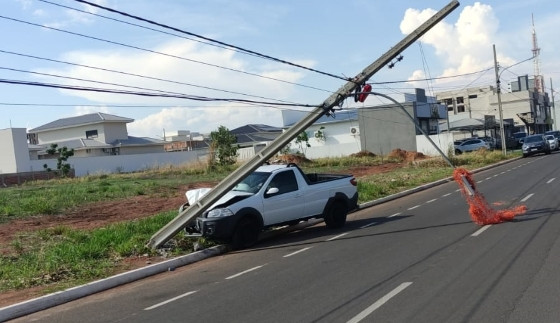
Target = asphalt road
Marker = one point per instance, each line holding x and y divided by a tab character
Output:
416	259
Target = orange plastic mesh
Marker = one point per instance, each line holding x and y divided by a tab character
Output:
480	211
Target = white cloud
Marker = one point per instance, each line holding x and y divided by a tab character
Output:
465	46
81	110
203	120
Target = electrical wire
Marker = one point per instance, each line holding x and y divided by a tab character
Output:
160	53
147	94
211	40
140	76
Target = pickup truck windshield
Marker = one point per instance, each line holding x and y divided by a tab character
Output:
252	183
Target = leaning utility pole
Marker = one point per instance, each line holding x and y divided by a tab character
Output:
195	210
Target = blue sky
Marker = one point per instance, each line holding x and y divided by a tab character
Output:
337	37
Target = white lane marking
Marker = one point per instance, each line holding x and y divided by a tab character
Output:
488	178
393	215
445	195
527	197
412	208
502	173
479	231
368	225
244	272
379	303
550	180
338	236
430	201
169	300
296	252
478	182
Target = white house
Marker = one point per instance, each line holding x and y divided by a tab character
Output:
95	134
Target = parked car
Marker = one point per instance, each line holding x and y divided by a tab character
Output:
470	145
271	196
555	133
518	138
552	142
491	141
535	144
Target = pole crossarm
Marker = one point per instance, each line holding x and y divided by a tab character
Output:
193	211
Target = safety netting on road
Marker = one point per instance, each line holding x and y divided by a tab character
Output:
479	209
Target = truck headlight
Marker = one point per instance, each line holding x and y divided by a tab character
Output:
218	213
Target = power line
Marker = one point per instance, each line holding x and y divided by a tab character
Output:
211	40
148	94
160	53
138	75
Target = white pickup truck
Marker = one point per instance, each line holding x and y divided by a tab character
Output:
274	195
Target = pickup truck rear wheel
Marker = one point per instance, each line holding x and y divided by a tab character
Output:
335	217
246	233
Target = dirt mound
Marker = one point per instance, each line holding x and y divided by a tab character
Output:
291	158
403	155
363	153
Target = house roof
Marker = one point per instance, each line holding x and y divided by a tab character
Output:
85	119
339	116
138	141
255	128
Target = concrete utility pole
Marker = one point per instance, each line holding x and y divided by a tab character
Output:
555	127
499	91
196	210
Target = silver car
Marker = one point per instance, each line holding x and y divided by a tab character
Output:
470	145
552	142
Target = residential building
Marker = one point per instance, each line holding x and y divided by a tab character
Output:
378	129
184	140
95	134
252	138
523	109
387	127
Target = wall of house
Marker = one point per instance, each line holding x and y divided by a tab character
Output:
442	140
383	129
125	163
132	150
114	131
338	142
53	136
15	153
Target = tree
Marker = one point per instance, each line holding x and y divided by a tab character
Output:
223	146
302	140
63	155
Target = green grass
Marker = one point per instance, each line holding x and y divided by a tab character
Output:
66	255
61	257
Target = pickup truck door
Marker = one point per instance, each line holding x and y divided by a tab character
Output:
288	204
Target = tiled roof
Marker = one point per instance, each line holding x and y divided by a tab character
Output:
138	141
339	116
92	118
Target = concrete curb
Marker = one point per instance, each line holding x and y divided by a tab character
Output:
70	294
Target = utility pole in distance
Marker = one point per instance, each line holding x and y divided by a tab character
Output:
555	127
499	91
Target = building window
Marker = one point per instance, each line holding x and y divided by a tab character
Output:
460	100
90	134
460	108
473	96
88	151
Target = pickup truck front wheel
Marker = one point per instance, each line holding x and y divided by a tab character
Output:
246	233
335	217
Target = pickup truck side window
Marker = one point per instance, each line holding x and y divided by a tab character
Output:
285	182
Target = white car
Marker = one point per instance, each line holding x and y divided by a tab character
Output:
470	145
552	142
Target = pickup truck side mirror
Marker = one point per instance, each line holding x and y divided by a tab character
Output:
272	191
